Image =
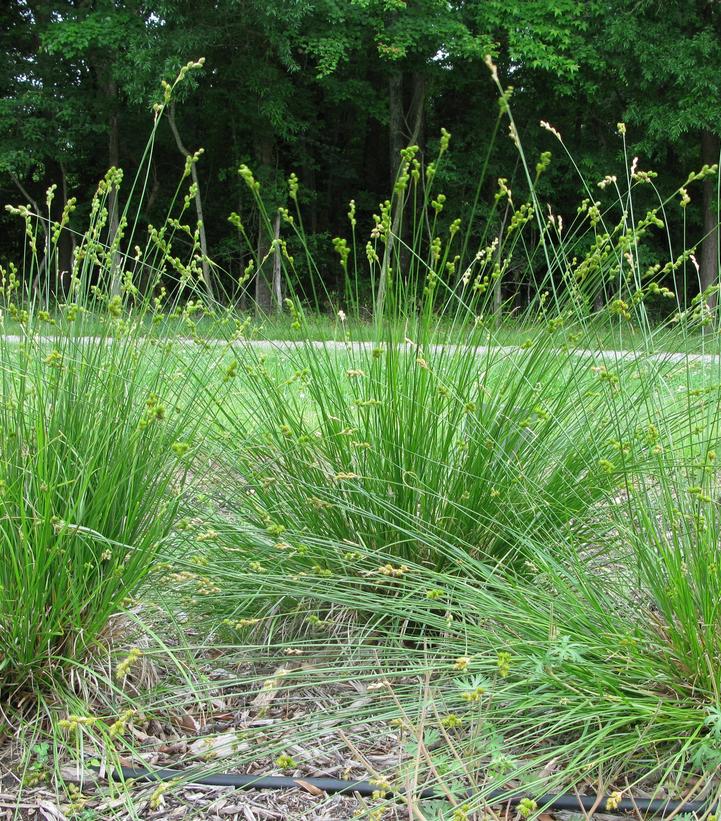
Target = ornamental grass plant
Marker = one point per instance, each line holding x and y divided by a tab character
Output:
594	666
94	438
373	442
530	535
97	430
502	560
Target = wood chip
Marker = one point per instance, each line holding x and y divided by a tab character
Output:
265	697
308	787
48	810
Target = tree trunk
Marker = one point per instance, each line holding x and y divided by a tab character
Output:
397	143
146	278
309	180
395	122
263	294
417	110
154	190
113	199
67	243
205	267
277	279
498	285
36	283
415	121
709	263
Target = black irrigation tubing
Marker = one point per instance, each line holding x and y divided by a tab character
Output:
568	802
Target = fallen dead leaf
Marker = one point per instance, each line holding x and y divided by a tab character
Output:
139	734
218	746
178	748
186	722
50	811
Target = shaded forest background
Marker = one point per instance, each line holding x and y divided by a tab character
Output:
333	89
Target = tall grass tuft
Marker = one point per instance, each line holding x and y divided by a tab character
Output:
528	532
92	473
99	421
422	429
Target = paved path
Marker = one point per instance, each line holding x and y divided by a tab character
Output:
607	355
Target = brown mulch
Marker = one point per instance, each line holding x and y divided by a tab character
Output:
182	737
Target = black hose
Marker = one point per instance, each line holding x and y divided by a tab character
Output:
565	801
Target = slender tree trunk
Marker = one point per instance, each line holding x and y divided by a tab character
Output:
35	285
205	267
66	252
309	180
498	285
263	293
113	199
154	191
709	263
395	122
397	143
146	277
417	110
415	122
598	299
277	280
31	200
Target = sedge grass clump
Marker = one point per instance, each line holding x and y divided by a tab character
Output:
531	533
596	667
372	442
615	648
100	419
90	481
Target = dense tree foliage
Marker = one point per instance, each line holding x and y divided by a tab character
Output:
333	90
